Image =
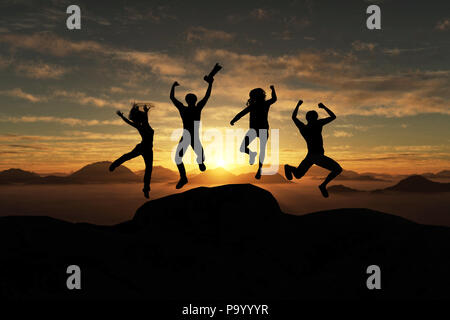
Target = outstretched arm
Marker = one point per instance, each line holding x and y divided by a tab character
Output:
176	102
202	102
273	99
240	115
120	114
297	122
331	117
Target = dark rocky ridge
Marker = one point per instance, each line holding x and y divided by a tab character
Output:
227	242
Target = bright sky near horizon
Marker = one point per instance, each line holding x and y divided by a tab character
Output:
60	88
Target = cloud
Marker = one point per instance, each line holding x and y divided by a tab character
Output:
363	46
392	52
24	146
116	90
339	79
295	22
5	62
353	126
84	99
342	134
70	135
398	51
283	35
41	70
159	63
417	148
49	43
201	33
66	121
260	14
19	93
155	15
33	69
443	25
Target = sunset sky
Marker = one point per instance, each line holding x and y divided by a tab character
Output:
60	88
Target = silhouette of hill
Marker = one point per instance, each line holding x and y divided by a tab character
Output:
98	172
226	242
444	174
17	176
318	172
160	174
92	173
353	175
339	188
418	184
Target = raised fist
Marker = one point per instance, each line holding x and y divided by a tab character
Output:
321	106
209	79
176	84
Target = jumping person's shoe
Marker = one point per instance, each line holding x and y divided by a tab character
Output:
258	174
113	166
146	192
181	182
252	157
324	191
202	167
287	172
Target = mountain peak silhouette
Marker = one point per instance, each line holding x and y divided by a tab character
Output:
15	175
228	208
340	188
418	183
99	172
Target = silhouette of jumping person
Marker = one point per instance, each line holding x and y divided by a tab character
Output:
190	116
312	133
258	107
139	120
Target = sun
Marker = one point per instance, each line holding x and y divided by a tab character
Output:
221	163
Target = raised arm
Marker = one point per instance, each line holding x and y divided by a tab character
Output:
273	99
175	101
331	117
240	115
202	102
120	114
297	122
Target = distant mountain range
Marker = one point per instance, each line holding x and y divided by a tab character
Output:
339	188
18	176
160	174
412	184
319	173
92	173
99	173
444	174
418	184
